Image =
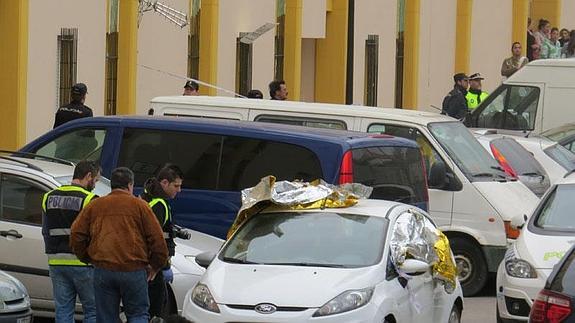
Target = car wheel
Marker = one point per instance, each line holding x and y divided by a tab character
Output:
471	266
455	315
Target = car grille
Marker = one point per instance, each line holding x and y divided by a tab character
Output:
278	308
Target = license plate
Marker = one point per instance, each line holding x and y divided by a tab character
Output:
24	320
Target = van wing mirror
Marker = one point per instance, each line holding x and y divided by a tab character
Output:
205	259
518	221
414	267
438	175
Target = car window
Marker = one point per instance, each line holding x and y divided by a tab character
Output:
561	156
430	155
308	239
562	281
77	145
301	121
510	107
558	134
394	173
21	199
245	161
520	159
556	214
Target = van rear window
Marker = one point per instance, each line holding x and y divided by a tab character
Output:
395	173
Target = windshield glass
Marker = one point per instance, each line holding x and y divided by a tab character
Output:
561	156
322	239
102	186
557	134
471	158
509	107
557	212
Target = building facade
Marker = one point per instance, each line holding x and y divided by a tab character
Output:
386	53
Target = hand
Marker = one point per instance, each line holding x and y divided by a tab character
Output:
151	273
168	275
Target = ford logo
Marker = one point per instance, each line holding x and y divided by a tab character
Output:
265	308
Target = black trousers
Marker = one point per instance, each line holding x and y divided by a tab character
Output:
157	292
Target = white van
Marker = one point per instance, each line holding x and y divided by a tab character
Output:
470	197
540	96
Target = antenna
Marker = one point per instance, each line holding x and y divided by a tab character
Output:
177	17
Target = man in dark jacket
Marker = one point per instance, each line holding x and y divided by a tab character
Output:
455	104
75	109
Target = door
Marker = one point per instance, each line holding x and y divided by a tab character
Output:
21	242
440	199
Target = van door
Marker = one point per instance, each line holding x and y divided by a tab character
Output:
440	198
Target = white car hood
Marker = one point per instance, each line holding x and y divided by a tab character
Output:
510	198
543	251
310	287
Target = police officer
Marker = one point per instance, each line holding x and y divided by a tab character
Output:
454	103
166	185
75	109
475	95
70	276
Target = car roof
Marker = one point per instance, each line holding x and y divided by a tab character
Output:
412	116
488	135
179	123
51	168
569	62
369	207
570	179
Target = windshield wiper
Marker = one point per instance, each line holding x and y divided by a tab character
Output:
498	168
307	264
239	261
485	174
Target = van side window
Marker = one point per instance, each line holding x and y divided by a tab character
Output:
245	161
300	121
510	107
77	145
145	151
430	155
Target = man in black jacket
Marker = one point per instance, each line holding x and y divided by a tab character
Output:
75	109
455	104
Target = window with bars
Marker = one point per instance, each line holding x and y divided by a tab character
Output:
194	41
111	72
279	41
243	66
371	70
399	55
67	63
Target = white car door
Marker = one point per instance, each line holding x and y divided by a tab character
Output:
21	243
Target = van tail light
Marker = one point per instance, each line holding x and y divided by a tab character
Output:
511	232
503	161
346	168
550	307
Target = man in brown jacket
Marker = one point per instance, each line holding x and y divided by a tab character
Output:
120	236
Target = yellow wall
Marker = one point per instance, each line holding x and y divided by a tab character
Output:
463	36
292	48
127	56
411	54
546	9
209	22
331	56
519	16
14	67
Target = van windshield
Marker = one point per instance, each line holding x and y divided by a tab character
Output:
471	158
394	173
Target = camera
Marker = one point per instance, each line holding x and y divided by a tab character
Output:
182	233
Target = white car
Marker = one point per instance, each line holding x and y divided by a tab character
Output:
544	239
330	265
23	182
14	300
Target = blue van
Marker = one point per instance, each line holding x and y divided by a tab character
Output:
219	158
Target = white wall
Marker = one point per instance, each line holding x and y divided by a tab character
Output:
375	17
307	93
568	15
245	16
46	18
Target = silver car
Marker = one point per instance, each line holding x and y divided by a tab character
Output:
14	300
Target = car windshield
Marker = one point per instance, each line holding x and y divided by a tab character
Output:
557	134
322	239
557	212
562	156
102	186
471	158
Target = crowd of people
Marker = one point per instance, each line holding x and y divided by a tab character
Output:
549	42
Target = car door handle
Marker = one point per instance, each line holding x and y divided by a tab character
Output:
11	233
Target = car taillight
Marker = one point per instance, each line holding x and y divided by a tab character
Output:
502	161
346	168
511	232
550	307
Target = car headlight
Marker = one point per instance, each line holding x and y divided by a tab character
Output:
519	268
202	297
346	301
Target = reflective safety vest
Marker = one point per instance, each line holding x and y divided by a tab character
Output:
167	216
60	208
473	99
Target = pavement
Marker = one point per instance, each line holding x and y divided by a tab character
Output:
481	308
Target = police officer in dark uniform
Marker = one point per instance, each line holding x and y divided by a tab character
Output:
157	190
70	276
75	109
455	104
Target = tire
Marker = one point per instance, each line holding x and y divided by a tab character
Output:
471	265
454	315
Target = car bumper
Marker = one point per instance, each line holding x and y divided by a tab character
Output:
19	317
196	314
515	295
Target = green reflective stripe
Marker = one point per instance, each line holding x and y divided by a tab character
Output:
159	200
59	232
64	259
44	199
72	188
88	199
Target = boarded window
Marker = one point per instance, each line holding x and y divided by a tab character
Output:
243	66
194	41
279	41
67	63
111	72
371	70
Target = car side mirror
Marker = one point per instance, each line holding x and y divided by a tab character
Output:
438	175
414	267
518	221
205	259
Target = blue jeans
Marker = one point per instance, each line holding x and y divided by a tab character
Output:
67	282
131	288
